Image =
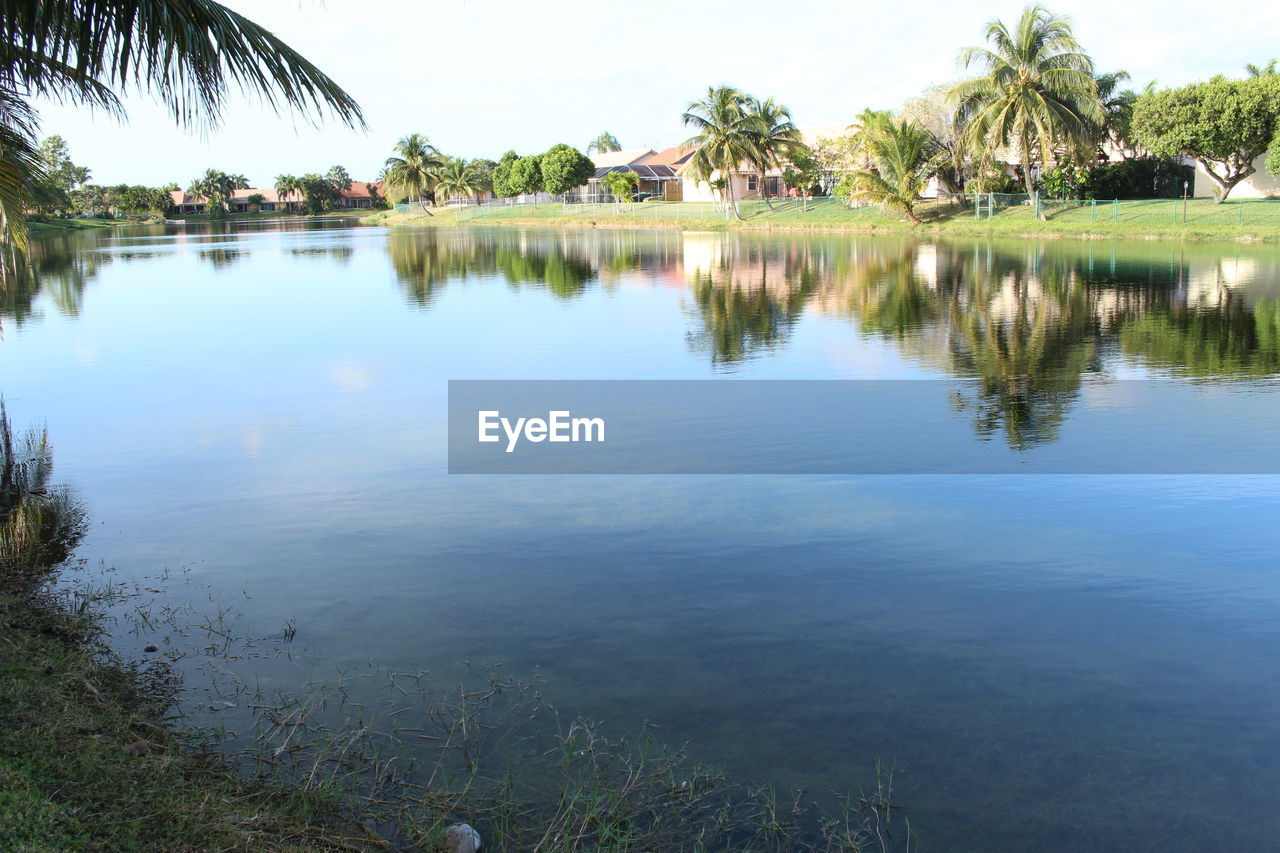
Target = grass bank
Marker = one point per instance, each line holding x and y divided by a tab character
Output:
1198	220
89	760
54	225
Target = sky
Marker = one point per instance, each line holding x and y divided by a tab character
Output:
479	77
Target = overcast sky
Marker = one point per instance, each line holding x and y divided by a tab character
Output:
481	76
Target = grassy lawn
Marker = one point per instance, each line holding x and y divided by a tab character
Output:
1156	219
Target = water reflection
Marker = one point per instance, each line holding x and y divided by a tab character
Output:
40	522
1026	322
54	266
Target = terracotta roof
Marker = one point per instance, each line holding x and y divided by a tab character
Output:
673	156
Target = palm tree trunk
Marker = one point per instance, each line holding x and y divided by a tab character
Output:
728	188
764	192
1026	171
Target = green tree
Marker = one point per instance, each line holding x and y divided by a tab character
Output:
318	193
502	182
410	171
774	138
622	185
1116	128
603	143
1225	125
60	176
1263	70
338	177
255	201
92	199
216	187
723	136
1036	93
564	168
902	156
483	170
802	173
932	110
455	179
286	189
526	175
189	54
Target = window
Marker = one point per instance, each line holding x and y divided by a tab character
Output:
753	183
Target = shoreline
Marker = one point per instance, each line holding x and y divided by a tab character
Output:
1011	224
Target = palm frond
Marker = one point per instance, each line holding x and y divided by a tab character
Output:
190	54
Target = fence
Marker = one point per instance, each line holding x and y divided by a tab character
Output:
1160	211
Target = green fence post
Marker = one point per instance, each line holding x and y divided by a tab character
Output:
977	206
1093	216
1239	213
1115	210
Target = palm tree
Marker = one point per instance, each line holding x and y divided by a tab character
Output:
456	177
774	138
189	54
1117	112
723	137
286	186
411	171
603	143
216	187
902	156
1263	70
865	127
1037	89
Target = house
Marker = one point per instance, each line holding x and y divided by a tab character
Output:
746	183
358	197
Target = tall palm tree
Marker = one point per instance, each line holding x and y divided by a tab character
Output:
287	186
774	138
457	177
723	137
411	171
1263	70
603	143
902	157
1036	92
189	54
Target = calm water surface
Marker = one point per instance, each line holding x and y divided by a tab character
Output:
1052	663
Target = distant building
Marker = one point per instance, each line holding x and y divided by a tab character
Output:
358	197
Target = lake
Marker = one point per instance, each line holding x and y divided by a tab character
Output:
1050	662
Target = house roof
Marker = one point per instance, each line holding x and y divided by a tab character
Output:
620	158
644	171
673	156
